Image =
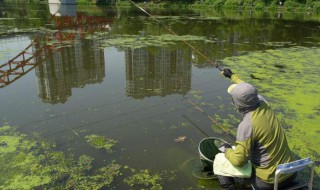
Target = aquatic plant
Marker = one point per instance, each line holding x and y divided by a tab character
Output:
145	179
137	41
101	142
34	164
85	162
100	178
196	94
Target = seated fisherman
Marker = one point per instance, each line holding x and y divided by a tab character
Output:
260	138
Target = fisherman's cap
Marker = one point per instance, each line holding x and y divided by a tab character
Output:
231	87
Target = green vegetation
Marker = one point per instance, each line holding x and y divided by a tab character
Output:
145	179
30	164
135	42
101	142
289	5
34	164
86	2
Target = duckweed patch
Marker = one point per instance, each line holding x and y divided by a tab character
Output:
143	178
34	164
137	41
196	94
290	80
146	179
101	142
179	125
279	44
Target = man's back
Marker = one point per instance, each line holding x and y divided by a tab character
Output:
270	147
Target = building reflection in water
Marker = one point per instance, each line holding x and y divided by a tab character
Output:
72	67
157	72
76	62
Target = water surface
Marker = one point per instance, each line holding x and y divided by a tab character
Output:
122	75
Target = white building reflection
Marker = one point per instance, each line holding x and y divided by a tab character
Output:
159	72
73	67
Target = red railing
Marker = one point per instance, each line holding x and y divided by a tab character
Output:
22	63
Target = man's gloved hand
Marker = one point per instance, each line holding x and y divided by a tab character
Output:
224	147
227	73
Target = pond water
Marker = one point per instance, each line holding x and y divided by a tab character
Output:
118	88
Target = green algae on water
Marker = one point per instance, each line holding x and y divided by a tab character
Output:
145	179
34	164
101	142
137	41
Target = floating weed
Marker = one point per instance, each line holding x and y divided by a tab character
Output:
136	41
289	77
234	118
196	94
222	106
33	164
101	177
173	127
184	124
179	125
278	44
203	104
85	162
197	97
101	142
143	178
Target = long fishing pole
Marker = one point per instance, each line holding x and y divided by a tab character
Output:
215	64
214	121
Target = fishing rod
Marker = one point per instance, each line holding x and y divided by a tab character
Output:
214	121
215	64
195	125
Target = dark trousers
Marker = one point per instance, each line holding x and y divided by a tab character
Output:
228	183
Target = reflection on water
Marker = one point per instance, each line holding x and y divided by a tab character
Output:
139	96
59	9
54	42
157	72
72	67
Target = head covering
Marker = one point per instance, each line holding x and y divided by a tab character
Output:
231	87
245	96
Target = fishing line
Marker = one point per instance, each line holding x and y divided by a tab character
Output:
117	116
214	121
195	125
128	125
112	117
215	64
74	112
100	106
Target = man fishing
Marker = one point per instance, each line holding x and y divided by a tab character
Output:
260	138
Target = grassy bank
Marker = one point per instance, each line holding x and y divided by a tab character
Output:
308	6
